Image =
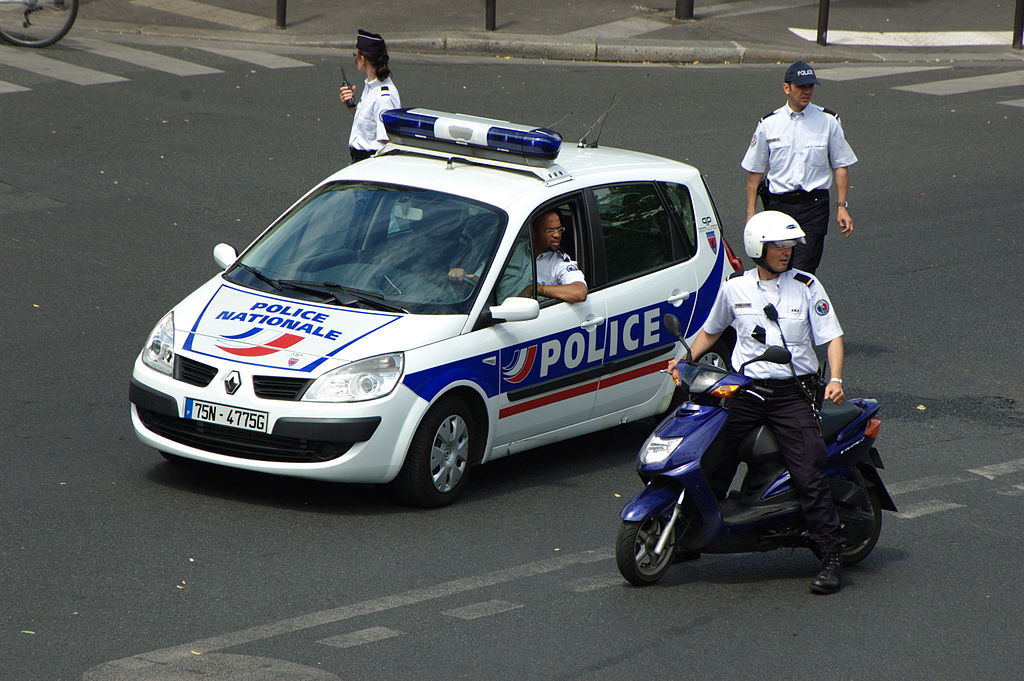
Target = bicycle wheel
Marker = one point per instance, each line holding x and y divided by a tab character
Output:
36	23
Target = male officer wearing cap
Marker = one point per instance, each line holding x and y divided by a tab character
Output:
793	155
773	304
379	95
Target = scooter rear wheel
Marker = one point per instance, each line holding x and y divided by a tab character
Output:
851	555
634	551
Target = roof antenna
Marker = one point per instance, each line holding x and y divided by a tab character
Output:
552	126
583	144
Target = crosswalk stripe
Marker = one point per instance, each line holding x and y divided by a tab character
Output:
149	60
211	13
959	86
1014	102
843	73
478	610
993	471
909	38
361	637
6	87
927	508
264	59
52	68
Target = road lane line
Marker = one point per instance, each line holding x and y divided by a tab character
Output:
361	637
995	470
149	60
959	86
153	659
484	609
593	583
265	59
6	87
927	508
211	13
51	68
1014	102
844	73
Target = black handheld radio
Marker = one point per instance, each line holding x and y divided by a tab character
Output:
350	103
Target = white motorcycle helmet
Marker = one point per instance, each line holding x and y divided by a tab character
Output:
769	225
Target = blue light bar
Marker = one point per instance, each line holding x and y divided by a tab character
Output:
424	127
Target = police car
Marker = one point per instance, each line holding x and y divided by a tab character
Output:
341	345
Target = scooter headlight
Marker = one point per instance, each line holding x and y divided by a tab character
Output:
658	449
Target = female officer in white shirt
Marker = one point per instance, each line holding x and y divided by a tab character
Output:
380	95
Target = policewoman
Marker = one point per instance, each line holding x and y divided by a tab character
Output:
795	153
379	95
773	304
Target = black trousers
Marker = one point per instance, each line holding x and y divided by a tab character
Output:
792	421
811	210
359	154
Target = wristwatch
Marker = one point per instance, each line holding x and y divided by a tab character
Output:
837	380
843	204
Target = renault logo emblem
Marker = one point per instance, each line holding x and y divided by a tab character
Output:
233	382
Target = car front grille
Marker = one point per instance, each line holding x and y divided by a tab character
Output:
278	388
243	444
193	372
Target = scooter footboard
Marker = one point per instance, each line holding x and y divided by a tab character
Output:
657	498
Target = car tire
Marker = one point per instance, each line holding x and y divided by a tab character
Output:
440	456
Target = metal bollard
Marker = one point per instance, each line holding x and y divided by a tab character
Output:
684	9
282	11
823	22
489	15
1018	25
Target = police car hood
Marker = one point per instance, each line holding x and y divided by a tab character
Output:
233	324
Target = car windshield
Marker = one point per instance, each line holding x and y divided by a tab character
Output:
377	246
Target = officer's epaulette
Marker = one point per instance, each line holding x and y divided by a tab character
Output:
736	274
565	257
770	113
830	112
803	278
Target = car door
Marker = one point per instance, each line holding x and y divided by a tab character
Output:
647	240
548	367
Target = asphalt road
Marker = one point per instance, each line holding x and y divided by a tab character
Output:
117	565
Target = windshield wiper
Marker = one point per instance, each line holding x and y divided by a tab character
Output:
259	275
335	291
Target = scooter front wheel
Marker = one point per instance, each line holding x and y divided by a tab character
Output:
634	550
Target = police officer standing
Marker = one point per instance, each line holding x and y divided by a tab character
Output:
793	155
774	304
379	95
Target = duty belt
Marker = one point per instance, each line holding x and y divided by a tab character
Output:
784	386
800	196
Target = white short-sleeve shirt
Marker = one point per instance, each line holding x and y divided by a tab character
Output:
555	268
367	127
798	150
806	317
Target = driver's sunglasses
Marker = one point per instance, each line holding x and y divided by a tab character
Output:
554	230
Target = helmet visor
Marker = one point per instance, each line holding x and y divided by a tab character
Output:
785	243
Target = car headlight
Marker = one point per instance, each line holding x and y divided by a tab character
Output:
366	379
159	351
658	449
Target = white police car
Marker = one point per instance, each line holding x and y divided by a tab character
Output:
341	346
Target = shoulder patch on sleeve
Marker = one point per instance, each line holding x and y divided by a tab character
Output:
830	112
803	278
770	113
734	275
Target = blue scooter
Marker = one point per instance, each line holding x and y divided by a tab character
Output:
677	513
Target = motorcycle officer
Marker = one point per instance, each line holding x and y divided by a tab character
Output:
773	304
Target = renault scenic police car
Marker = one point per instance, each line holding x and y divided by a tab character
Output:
386	327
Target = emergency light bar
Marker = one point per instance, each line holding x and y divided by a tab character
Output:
496	139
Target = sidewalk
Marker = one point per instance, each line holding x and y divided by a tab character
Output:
723	31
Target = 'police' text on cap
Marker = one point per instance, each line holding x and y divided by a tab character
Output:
801	73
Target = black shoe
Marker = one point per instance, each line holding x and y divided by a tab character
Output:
829	579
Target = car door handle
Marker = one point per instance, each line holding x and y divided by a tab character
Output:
679	297
591	322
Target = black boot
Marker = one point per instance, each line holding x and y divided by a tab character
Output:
830	577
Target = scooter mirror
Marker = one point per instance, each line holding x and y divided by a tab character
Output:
776	355
672	324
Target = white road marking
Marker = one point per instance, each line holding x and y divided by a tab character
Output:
362	637
927	508
149	60
52	68
843	73
1014	102
594	583
484	609
930	482
265	59
735	9
909	38
216	15
623	28
6	87
144	662
995	470
959	86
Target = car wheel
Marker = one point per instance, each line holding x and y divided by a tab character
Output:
438	461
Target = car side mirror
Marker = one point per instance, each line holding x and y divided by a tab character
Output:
515	309
224	255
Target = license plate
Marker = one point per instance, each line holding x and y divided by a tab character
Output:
224	415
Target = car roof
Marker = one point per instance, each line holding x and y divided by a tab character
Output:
503	184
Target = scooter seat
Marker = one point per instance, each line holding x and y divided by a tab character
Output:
835	417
